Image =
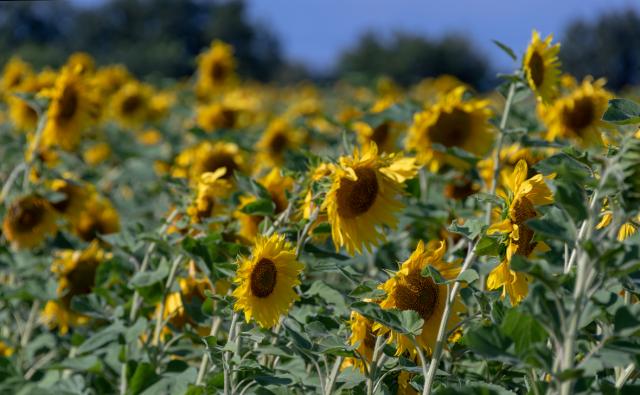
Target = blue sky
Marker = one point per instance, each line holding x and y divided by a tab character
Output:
316	31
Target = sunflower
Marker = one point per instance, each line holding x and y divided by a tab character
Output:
5	350
364	195
71	109
73	198
211	188
99	217
266	280
192	292
23	116
208	157
404	384
15	72
108	80
578	115
28	221
509	157
430	89
409	290
130	104
97	153
216	116
278	138
76	272
216	68
626	230
277	185
523	195
363	338
384	135
451	122
542	67
82	62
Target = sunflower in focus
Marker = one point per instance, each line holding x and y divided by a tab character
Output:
99	217
364	196
209	156
130	104
216	68
76	272
266	280
451	122
211	188
523	195
542	67
409	290
214	116
28	221
277	139
578	115
71	109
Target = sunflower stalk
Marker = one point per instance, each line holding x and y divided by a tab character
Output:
11	180
226	357
42	122
373	366
332	377
167	288
452	292
205	358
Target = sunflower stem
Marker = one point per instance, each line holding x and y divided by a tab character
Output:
334	374
498	148
424	185
11	180
28	328
373	368
226	357
452	293
215	325
42	121
302	238
167	288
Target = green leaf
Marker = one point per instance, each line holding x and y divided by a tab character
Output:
430	271
101	338
488	246
260	207
391	318
555	224
626	322
524	329
489	342
328	295
367	290
468	276
145	279
572	198
506	49
622	112
471	228
143	377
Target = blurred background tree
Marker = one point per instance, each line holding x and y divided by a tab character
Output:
607	47
408	58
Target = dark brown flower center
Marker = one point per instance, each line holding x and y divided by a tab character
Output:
214	162
452	128
218	71
68	103
63	204
278	143
357	197
522	211
580	116
228	118
417	293
27	213
131	104
536	69
369	339
263	278
380	134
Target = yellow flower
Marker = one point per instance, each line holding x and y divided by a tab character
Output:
364	195
626	230
211	187
97	153
384	135
23	116
524	194
149	137
409	290
215	116
208	157
216	67
451	122
73	200
28	221
509	157
363	338
99	217
542	67
108	80
431	89
578	115
130	104
266	281
76	272
192	290
5	349
71	109
15	72
278	138
404	385
82	62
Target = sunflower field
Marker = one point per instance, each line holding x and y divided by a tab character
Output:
219	236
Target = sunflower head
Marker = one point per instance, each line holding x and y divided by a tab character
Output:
451	122
28	221
365	194
211	188
266	280
216	67
409	290
73	197
216	116
99	217
278	138
363	338
23	116
131	103
15	72
542	67
76	271
578	115
208	157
